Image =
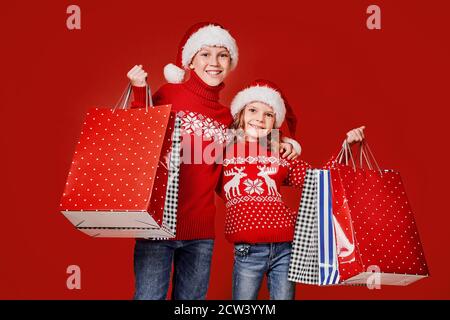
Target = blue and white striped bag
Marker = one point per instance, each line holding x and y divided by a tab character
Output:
314	256
328	261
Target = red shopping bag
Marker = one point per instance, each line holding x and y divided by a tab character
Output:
374	223
348	255
117	182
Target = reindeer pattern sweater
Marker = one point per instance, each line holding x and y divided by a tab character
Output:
251	180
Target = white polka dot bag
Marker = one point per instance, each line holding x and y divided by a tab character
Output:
123	180
377	237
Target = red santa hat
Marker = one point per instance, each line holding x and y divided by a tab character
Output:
200	35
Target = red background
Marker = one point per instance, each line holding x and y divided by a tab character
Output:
336	73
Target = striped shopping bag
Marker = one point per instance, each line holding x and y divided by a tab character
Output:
314	257
328	261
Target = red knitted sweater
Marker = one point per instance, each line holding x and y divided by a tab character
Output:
204	117
251	180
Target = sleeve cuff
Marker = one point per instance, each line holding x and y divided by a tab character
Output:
295	144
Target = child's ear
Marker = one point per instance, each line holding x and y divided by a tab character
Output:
191	66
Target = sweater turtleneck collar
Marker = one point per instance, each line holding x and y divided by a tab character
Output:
200	88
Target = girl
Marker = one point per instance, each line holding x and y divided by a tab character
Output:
209	52
257	221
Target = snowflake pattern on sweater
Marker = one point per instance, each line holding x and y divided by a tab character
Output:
255	211
200	125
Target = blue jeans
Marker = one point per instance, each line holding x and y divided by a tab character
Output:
153	265
253	261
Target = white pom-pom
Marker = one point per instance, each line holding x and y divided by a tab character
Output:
173	74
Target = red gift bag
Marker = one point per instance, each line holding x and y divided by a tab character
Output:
374	224
117	182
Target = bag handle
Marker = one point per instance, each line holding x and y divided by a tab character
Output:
127	94
347	152
367	152
364	152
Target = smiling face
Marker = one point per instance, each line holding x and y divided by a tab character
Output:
258	120
212	64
